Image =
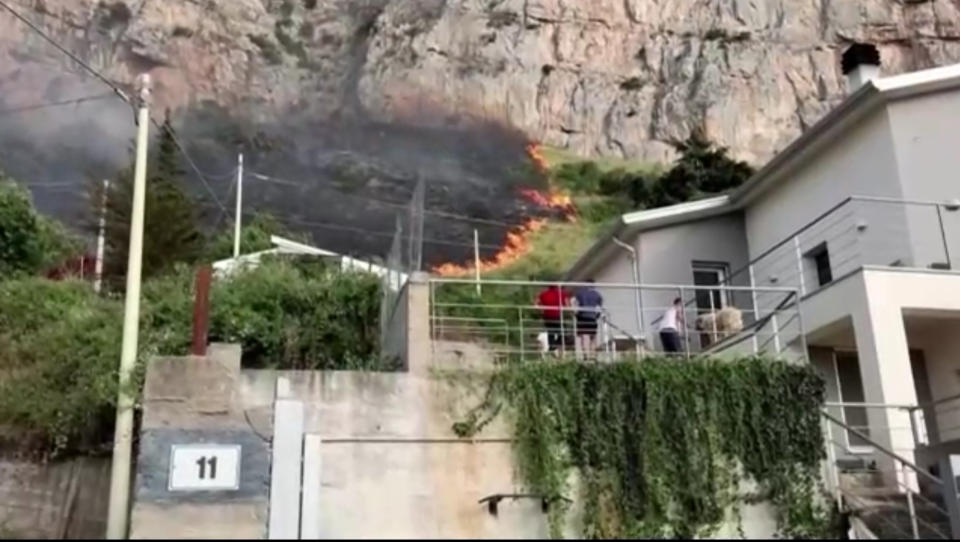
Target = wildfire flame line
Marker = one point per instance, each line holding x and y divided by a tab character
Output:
517	244
518	239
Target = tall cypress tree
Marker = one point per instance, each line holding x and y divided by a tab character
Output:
170	230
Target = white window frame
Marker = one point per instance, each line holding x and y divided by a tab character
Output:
722	269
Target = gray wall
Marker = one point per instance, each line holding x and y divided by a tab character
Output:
861	162
666	257
391	466
61	499
192	400
928	155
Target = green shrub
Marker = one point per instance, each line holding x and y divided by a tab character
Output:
286	318
59	350
29	242
661	447
60	342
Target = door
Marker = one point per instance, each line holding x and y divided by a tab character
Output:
850	387
709	300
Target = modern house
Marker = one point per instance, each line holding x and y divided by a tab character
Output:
860	217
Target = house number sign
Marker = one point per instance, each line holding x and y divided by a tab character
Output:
204	467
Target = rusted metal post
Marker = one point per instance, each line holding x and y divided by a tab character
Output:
201	310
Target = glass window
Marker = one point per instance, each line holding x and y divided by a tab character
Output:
709	274
822	261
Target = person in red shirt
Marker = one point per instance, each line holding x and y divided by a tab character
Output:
551	302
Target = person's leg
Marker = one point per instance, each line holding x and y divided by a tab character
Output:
590	338
553	333
670	340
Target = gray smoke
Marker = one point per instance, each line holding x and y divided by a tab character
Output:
326	172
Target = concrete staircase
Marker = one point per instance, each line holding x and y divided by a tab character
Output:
883	512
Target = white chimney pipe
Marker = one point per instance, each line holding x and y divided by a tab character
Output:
861	64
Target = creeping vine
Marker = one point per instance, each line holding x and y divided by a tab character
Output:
663	448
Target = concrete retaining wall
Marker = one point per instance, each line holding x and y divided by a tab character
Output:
193	400
66	499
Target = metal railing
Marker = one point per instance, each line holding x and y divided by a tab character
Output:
505	319
858	231
901	499
937	421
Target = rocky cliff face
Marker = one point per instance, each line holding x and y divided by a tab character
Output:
600	77
614	77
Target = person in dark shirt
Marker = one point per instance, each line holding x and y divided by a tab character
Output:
589	309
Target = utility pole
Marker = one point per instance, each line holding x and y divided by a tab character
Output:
239	216
476	259
119	509
101	239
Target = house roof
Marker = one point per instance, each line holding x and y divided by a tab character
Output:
857	105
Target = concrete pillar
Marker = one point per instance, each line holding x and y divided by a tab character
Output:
887	378
419	353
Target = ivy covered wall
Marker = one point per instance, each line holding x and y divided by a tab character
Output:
662	448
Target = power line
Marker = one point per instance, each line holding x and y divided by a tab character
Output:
27	108
64	50
193	165
396	204
118	91
377	233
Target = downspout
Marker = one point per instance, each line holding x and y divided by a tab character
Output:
638	295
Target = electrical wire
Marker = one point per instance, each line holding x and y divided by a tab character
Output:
385	234
377	233
119	92
180	147
396	204
27	108
65	51
193	165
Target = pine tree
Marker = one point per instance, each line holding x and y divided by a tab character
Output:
701	169
170	230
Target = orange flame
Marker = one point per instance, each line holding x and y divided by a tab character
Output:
553	200
518	239
518	244
535	152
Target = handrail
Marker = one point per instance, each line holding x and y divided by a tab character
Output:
882	449
787	239
834	404
616	285
811	223
933	404
753	327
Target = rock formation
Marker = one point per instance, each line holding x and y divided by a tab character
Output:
599	77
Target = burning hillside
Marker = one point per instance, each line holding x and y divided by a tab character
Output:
518	241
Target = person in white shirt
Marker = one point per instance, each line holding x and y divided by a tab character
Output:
670	325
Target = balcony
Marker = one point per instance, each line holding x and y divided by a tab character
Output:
860	231
496	321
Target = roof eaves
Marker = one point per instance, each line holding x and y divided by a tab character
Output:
595	254
630	224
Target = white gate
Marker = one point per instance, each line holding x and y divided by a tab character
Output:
294	472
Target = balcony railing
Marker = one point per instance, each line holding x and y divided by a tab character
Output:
502	320
857	232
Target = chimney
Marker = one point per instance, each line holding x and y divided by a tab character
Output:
861	63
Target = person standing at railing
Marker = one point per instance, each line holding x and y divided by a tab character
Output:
551	302
670	325
589	306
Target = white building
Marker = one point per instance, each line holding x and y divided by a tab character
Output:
860	217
